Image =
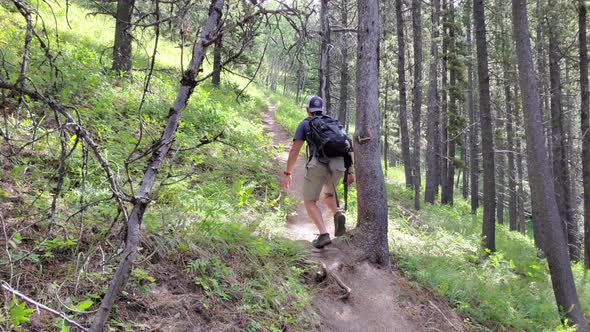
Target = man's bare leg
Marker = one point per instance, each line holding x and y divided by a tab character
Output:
329	200
315	214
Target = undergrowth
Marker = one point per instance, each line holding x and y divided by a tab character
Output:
215	209
288	113
440	249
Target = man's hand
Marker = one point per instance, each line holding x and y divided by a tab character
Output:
287	181
350	179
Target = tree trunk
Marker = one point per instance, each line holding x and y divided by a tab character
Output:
561	175
433	125
370	235
473	124
385	127
401	81
344	76
453	130
142	196
487	140
585	126
216	76
542	188
444	120
417	98
499	138
500	166
507	51
300	83
465	168
512	202
123	38
324	72
519	165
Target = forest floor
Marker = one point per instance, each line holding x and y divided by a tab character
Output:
378	301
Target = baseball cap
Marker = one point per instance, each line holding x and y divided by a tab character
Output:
315	104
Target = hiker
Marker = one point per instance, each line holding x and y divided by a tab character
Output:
322	173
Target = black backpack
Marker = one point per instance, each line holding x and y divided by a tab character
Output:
330	141
327	136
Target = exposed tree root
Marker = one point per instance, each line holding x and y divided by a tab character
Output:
331	272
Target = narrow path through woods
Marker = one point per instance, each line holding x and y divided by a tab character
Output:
379	301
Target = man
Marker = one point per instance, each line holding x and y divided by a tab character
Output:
322	175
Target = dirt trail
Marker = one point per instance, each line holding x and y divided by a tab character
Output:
379	301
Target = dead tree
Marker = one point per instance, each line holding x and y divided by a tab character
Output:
142	197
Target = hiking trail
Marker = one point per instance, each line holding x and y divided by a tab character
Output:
378	301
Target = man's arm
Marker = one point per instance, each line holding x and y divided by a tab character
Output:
293	154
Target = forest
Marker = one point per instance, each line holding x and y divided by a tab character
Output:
143	144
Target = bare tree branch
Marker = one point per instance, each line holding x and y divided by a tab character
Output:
7	287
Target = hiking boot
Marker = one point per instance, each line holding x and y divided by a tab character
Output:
321	241
339	224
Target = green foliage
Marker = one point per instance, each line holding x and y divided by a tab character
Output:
221	199
17	313
143	279
51	246
506	290
260	277
288	114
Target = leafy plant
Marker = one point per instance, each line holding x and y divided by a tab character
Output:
18	313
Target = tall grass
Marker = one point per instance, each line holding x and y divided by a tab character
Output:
219	199
506	290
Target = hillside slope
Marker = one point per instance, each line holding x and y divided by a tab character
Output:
209	258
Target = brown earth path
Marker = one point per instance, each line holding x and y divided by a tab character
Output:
379	301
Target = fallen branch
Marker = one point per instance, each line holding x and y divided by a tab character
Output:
7	287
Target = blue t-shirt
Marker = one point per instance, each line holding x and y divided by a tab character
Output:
302	130
301	134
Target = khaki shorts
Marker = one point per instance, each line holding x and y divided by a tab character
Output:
320	176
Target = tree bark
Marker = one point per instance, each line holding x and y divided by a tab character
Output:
433	125
123	37
487	140
401	81
452	113
465	168
142	198
500	167
385	127
499	137
585	125
417	98
444	119
370	235
300	83
542	188
324	71
473	124
344	75
216	77
512	201
519	164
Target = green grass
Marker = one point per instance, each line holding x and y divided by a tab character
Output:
288	113
508	290
219	203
